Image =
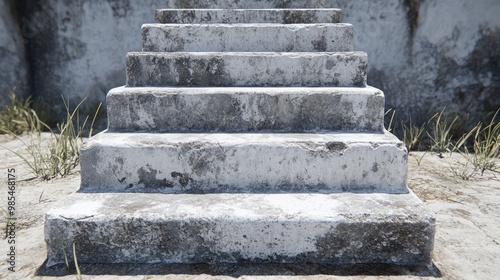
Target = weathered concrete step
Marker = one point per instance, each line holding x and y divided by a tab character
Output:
249	4
247	69
284	16
232	228
243	109
254	37
249	163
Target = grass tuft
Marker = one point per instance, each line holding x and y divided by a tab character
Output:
487	145
15	115
60	154
412	135
440	134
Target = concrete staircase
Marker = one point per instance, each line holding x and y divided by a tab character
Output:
244	136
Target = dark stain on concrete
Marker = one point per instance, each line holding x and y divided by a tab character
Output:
412	15
183	178
320	45
201	72
360	79
484	62
291	16
396	242
337	147
330	64
147	177
120	8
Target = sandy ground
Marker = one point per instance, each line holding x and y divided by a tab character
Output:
467	244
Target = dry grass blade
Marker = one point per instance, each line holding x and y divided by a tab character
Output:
60	154
440	135
487	145
7	219
13	115
412	135
390	126
78	272
66	261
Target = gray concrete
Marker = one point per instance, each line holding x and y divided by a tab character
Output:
425	55
236	228
466	243
14	67
259	196
247	162
245	109
284	16
247	69
254	37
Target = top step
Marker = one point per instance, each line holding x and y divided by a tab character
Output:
248	4
283	16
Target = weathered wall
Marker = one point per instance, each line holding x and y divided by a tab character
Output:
425	54
14	69
431	54
78	47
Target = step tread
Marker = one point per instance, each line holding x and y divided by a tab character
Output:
245	162
382	228
286	16
247	69
251	37
154	139
242	109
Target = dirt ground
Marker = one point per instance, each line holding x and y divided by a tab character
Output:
467	243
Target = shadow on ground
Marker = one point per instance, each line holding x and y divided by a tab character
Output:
238	270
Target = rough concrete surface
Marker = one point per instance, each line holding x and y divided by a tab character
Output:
247	162
238	228
248	37
425	55
466	244
250	4
247	69
14	67
245	109
77	48
284	16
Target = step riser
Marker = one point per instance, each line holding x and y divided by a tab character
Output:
179	229
249	4
245	110
284	16
247	38
247	69
226	163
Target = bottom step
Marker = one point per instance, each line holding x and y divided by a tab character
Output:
342	228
